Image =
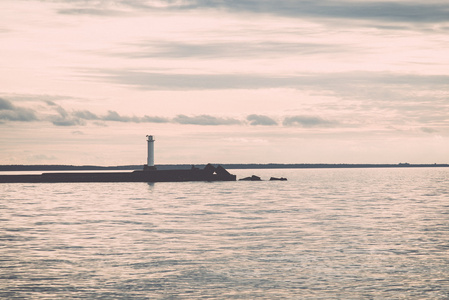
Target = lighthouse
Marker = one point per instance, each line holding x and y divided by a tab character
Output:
150	160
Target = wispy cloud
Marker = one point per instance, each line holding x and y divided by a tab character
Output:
114	116
379	11
260	120
6	105
64	119
308	121
230	49
411	11
428	130
339	82
85	115
106	12
10	112
163	81
150	119
205	120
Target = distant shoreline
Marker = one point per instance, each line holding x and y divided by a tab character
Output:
227	166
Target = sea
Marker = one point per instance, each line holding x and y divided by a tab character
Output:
380	233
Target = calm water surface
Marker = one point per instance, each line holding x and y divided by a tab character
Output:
324	234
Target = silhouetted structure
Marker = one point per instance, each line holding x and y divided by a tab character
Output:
209	173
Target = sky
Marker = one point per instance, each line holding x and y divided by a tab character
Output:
240	81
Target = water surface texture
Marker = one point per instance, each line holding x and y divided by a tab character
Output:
323	234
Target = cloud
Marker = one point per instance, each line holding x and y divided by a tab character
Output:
6	105
66	122
338	81
307	121
260	120
428	130
114	116
60	121
378	11
161	81
148	119
77	118
205	120
10	112
86	115
90	11
230	49
388	11
64	119
50	103
167	81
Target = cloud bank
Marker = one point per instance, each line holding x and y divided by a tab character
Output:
80	117
10	112
329	81
378	11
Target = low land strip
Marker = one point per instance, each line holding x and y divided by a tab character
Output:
226	166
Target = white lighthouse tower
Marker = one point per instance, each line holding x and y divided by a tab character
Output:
150	160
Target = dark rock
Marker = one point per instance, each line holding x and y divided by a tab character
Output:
252	178
275	178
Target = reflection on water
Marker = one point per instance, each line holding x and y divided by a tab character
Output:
323	234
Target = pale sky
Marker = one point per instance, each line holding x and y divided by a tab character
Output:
245	81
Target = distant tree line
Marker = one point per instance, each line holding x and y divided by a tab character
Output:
227	166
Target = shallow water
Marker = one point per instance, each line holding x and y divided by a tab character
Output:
323	234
